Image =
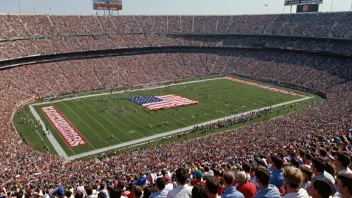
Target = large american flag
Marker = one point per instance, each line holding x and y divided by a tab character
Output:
161	102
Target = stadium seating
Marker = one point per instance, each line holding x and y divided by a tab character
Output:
332	75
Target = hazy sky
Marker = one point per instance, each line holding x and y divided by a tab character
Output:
162	7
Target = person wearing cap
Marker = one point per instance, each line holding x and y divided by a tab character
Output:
342	160
230	191
182	190
59	191
246	188
141	182
168	184
198	180
160	185
266	190
292	179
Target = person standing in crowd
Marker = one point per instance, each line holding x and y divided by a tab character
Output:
198	191
246	188
320	188
160	185
212	186
262	177
89	191
344	185
276	177
307	176
230	191
198	180
182	190
293	178
318	169
168	183
342	160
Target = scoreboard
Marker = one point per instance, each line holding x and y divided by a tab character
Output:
308	8
107	4
302	2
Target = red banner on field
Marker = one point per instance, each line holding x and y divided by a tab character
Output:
64	128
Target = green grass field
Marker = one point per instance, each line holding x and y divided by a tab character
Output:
96	125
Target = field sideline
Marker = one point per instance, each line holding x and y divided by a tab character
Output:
84	113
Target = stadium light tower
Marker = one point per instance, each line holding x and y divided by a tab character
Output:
19	6
34	6
266	5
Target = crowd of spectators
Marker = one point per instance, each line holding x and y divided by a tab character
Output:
58	34
314	144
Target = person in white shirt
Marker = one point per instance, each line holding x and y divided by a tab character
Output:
344	184
182	190
168	184
307	175
90	193
342	160
292	180
160	185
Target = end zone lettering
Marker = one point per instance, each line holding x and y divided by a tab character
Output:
66	130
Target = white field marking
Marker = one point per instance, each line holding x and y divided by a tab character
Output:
141	140
95	121
51	138
110	120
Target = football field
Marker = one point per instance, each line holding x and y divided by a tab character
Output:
88	123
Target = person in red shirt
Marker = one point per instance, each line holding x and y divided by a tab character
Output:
198	180
246	188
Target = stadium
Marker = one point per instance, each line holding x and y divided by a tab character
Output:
124	105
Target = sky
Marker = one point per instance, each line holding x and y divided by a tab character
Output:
162	7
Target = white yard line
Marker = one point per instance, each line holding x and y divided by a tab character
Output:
62	153
141	140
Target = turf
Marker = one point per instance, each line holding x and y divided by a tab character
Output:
96	125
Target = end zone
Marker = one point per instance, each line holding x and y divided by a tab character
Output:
63	127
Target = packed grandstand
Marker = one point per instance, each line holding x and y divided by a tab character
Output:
308	50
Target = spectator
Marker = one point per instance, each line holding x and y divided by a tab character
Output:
101	195
318	169
198	179
147	192
160	185
212	186
320	188
262	175
182	190
293	178
198	191
344	185
230	191
137	192
89	191
307	176
246	188
168	183
342	161
276	177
